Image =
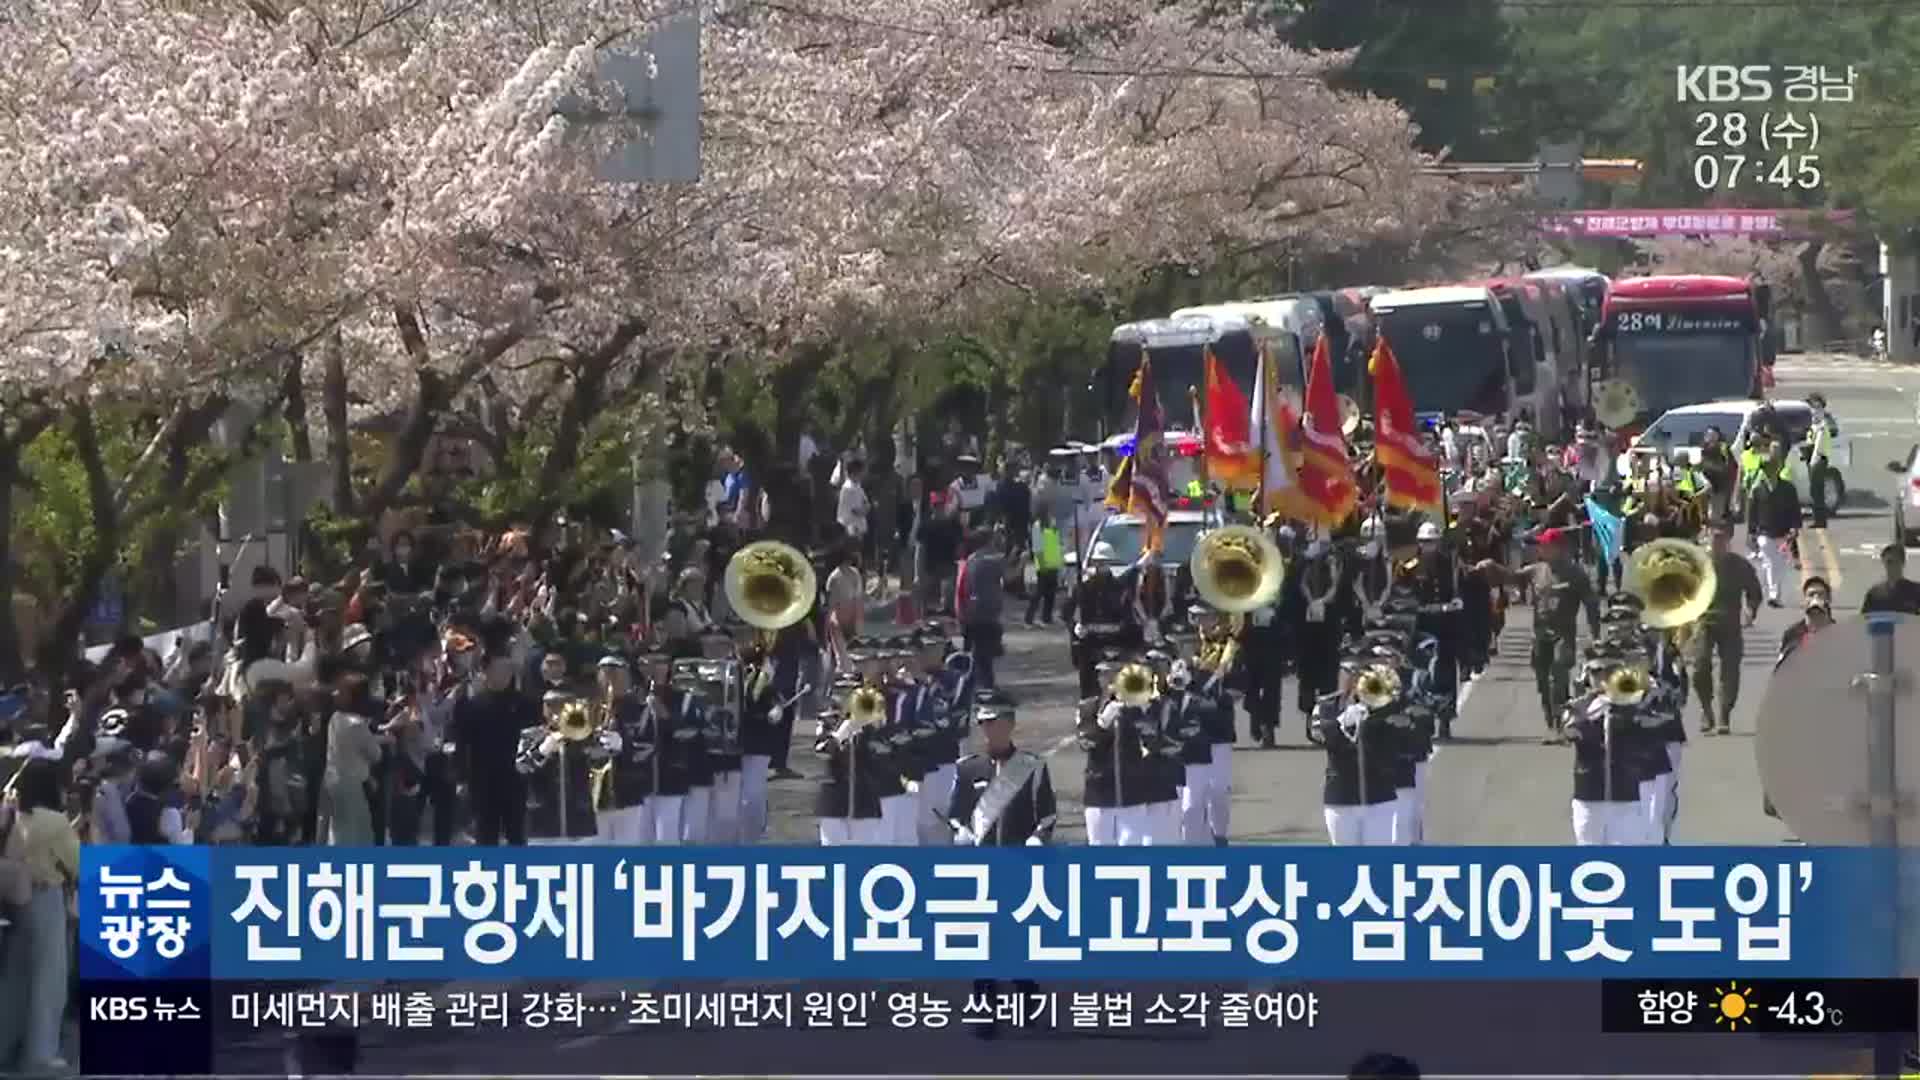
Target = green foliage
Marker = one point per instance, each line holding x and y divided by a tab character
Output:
598	485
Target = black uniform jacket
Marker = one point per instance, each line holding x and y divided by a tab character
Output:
1028	816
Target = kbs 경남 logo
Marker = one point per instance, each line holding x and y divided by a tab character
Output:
1721	84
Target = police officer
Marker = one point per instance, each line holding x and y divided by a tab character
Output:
1560	590
1817	451
1609	761
969	490
1359	792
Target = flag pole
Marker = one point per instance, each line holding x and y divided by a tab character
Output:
1264	385
1200	417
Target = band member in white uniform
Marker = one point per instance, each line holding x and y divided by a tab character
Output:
1215	664
1609	746
1359	793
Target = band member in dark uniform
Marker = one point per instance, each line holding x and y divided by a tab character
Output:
1002	796
1122	780
487	728
1318	609
1102	619
1436	582
1185	717
558	760
622	789
852	740
1147	598
675	727
1478	540
1609	758
1263	641
1216	666
1362	755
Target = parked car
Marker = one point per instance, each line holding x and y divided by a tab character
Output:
1906	499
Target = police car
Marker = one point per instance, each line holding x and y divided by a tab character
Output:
1681	431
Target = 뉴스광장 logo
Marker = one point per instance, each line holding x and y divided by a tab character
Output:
144	913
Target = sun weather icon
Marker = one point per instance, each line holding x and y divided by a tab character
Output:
1735	1005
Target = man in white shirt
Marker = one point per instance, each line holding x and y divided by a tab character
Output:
854	509
969	490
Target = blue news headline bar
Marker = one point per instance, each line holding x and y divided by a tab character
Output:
885	913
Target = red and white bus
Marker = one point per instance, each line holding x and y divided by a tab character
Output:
1682	339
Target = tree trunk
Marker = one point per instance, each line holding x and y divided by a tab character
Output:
12	665
333	405
294	392
1820	306
583	405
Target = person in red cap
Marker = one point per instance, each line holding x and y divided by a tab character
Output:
1560	588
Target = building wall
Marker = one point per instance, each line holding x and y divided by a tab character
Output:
1900	304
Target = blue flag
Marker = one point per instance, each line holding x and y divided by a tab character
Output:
1608	529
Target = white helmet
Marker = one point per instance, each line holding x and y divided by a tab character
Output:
1179	675
1103	552
1428	531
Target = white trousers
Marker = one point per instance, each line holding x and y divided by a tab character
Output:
623	827
1220	790
1613	823
930	816
696	816
1156	824
1771	563
661	817
1674	751
1193	805
1355	826
723	808
1405	816
1410	821
896	815
851	832
754	769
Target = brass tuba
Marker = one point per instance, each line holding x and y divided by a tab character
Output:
1376	686
1237	569
572	720
1616	403
1626	685
1133	686
866	707
770	584
1674	581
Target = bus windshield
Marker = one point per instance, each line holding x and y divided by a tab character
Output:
1685	369
1451	357
1179	367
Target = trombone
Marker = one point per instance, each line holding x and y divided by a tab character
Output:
1133	686
1626	686
770	584
1237	569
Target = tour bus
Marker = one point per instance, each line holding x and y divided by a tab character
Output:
1177	347
1452	342
1530	332
1570	332
1350	338
1682	339
1589	287
1288	325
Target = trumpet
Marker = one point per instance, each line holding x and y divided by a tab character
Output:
1133	686
1237	569
1376	686
770	584
1673	579
1626	685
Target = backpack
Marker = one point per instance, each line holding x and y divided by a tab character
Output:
16	884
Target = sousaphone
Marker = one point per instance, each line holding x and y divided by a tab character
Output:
1674	581
1237	569
770	584
1349	416
1616	403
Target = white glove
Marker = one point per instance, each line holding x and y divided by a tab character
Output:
611	741
549	745
1079	629
1034	841
1110	715
1213	683
963	837
774	714
845	729
1353	714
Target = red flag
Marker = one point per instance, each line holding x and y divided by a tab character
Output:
1232	460
1412	471
1326	476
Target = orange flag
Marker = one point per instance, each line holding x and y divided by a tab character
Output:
1412	471
1326	476
1233	461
